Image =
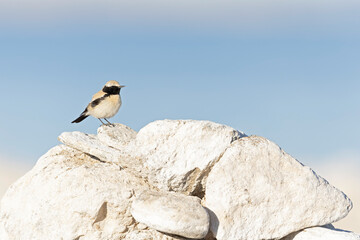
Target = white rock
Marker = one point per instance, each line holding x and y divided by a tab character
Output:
90	144
115	153
117	136
172	213
150	235
253	189
3	233
171	154
69	195
257	191
179	153
322	233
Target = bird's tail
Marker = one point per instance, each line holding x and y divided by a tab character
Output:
82	117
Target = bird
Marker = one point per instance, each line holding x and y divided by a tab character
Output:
104	104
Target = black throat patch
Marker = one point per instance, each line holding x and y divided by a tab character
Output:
113	90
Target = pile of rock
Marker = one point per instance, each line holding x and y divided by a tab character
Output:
174	179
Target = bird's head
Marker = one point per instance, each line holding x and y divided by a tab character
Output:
112	87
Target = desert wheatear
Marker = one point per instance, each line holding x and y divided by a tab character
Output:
104	104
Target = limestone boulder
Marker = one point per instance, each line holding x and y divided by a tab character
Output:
90	144
172	213
257	191
120	184
322	233
174	155
71	195
111	144
179	154
117	136
3	233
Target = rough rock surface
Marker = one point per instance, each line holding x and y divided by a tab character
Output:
174	155
84	190
179	154
172	213
3	233
70	195
117	136
90	144
322	233
257	191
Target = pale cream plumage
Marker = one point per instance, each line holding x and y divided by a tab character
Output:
104	104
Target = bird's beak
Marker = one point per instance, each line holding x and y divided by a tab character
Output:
121	86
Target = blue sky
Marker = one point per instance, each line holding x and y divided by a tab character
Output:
285	70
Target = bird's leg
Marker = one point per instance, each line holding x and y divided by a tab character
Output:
101	121
109	122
